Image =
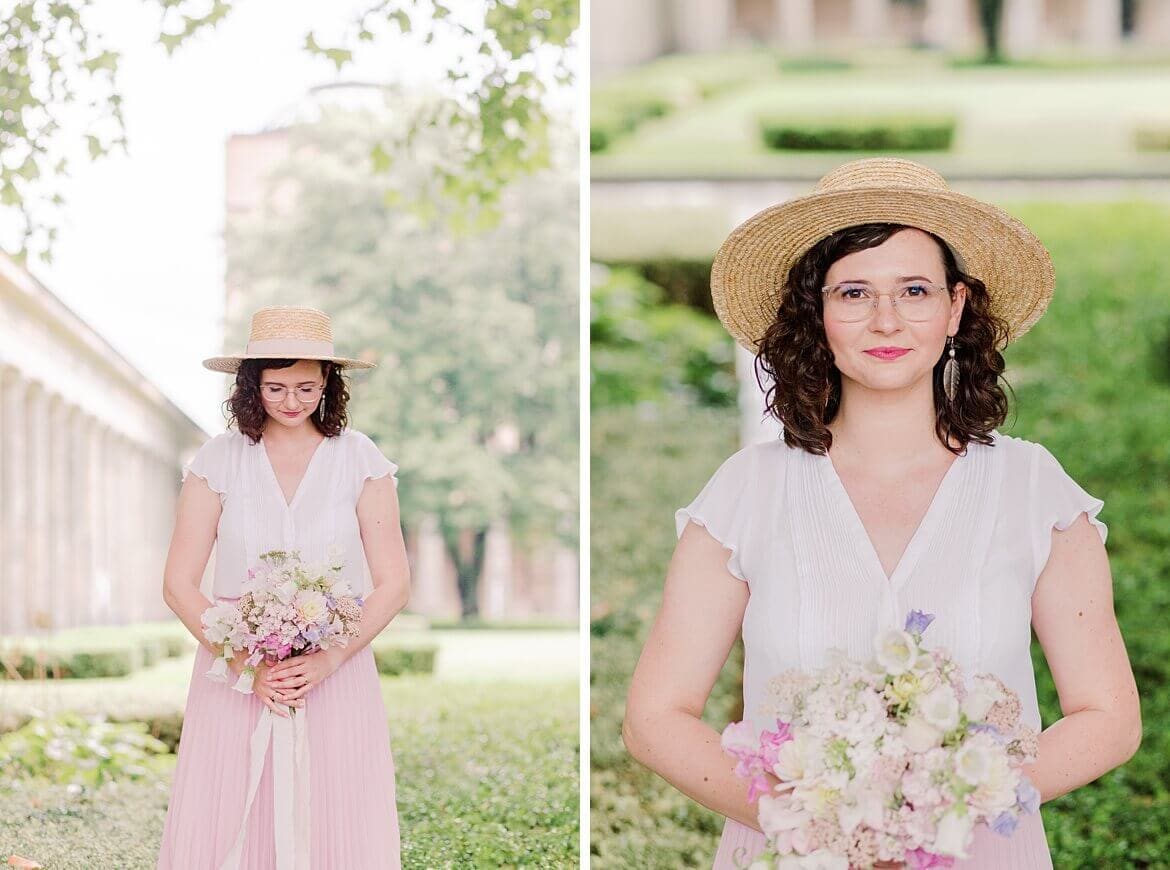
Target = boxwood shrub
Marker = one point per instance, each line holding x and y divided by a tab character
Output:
865	133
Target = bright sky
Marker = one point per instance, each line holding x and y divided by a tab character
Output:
139	255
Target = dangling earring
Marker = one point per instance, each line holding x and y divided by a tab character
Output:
321	407
951	371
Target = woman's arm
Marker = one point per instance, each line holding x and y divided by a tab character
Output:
381	530
196	519
701	615
1072	612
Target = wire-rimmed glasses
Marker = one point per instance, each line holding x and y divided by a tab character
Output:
853	301
305	393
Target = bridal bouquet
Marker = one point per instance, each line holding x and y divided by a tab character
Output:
287	608
894	759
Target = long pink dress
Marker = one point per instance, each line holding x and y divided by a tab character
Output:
352	809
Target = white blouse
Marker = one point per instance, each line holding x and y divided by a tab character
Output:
816	581
256	518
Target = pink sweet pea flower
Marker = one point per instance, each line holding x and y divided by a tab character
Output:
920	859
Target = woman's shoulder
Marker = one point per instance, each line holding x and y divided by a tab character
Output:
355	439
753	461
1021	450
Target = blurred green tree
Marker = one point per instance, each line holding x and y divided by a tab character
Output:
475	335
55	65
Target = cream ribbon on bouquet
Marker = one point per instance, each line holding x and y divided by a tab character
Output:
290	784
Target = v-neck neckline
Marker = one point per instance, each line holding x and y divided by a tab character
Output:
290	503
926	525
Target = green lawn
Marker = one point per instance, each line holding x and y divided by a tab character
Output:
1011	120
486	761
1092	382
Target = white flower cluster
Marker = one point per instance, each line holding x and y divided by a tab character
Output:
893	759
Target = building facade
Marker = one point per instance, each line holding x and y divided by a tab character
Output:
90	459
630	32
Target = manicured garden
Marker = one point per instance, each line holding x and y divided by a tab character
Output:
1092	383
719	116
486	758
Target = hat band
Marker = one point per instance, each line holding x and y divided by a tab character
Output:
289	348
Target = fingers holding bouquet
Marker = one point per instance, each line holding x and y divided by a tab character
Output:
292	678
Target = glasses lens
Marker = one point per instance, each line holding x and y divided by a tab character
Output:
919	301
272	392
308	394
849	302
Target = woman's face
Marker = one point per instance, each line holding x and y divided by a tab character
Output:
885	351
301	386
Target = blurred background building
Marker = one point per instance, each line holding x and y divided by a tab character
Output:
89	452
633	32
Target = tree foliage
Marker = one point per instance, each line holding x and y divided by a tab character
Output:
475	335
54	65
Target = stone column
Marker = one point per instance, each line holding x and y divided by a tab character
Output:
60	516
947	23
794	23
13	452
1101	25
870	20
1022	26
80	522
495	594
430	593
39	531
703	25
566	579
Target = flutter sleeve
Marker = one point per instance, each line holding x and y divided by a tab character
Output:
723	508
211	462
370	462
1058	500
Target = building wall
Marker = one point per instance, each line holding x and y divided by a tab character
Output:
90	459
629	33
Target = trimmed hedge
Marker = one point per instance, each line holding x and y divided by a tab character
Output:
1152	137
395	660
877	133
92	652
618	116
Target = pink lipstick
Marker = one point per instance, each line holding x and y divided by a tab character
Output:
888	352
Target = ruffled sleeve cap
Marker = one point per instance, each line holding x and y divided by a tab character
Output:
369	461
724	506
1058	501
212	462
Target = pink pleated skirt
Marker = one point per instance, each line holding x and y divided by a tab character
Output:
1026	849
352	805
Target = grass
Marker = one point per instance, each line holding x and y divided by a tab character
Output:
1092	382
486	763
1013	120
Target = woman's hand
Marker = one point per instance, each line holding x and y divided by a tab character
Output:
262	690
292	678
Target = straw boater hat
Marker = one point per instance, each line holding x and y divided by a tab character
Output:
287	332
751	268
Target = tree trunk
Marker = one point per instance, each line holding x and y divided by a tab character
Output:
468	563
990	13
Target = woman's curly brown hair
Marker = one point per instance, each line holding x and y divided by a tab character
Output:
245	408
794	353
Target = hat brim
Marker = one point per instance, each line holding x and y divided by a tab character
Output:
750	270
231	364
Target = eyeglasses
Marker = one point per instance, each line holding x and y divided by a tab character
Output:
305	394
852	301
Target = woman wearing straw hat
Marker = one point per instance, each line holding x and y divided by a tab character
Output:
254	787
877	306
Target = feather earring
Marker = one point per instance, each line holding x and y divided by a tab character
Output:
950	373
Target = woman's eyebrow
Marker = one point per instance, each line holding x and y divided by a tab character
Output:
899	278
